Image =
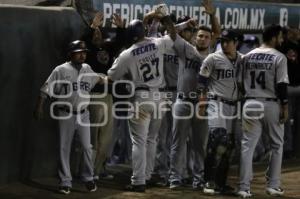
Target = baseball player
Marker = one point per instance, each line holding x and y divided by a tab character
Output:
142	63
190	59
265	81
71	83
218	71
189	64
171	75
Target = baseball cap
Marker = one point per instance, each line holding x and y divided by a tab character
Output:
229	35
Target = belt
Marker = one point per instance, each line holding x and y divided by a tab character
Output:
229	102
182	97
263	98
148	89
171	88
73	112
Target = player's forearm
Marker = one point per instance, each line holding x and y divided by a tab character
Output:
168	23
148	16
282	93
203	85
41	101
102	79
216	28
109	79
38	112
203	81
97	38
182	26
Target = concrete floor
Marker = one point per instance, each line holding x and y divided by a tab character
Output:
113	189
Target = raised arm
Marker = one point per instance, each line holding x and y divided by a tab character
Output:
215	25
160	12
97	38
150	15
152	28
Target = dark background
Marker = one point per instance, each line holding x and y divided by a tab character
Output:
32	44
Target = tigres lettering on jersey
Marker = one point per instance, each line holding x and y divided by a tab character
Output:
222	74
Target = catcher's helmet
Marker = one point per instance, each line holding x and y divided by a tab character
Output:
77	46
135	30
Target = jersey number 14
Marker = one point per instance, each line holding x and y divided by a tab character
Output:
260	79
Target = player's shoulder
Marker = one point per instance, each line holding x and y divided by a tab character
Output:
255	50
239	54
166	39
63	66
159	40
86	66
127	51
268	50
215	54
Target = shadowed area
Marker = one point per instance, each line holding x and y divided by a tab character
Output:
113	189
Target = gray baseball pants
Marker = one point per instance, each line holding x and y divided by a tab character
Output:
144	127
67	128
164	140
181	130
252	130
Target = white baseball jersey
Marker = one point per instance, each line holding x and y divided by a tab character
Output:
64	81
222	74
263	68
142	63
171	63
189	66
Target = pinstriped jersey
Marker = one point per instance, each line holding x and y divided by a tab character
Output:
263	68
221	74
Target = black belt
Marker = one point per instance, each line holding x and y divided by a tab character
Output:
229	102
263	98
148	89
73	112
182	97
171	88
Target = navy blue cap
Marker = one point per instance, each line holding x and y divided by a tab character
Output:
229	35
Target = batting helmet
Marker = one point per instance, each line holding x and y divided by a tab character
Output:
136	30
77	46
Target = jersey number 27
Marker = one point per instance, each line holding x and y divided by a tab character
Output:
150	70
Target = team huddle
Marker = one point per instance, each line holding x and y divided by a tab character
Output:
204	94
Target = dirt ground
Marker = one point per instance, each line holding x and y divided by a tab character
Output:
113	189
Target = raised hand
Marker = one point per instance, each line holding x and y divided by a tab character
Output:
118	21
209	7
161	10
97	21
192	23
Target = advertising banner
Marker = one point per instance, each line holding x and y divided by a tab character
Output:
246	16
